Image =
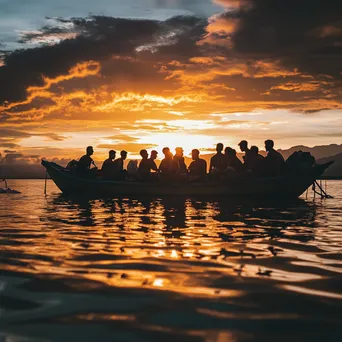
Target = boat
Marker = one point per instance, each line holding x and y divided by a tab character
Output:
286	186
6	189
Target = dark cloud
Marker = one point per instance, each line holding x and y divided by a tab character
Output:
264	55
6	132
5	144
9	138
98	39
305	34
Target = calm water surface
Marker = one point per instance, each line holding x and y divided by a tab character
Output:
169	269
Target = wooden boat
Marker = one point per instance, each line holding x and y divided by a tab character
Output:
285	186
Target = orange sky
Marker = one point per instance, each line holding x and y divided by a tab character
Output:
184	83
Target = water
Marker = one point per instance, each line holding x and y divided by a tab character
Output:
169	269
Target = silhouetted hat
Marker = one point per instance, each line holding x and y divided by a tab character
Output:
154	151
180	149
243	142
112	151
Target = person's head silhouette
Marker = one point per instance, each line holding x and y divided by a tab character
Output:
154	154
179	151
269	144
144	154
243	145
219	147
254	150
195	154
90	150
112	154
123	155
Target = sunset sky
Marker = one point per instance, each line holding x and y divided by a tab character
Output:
151	73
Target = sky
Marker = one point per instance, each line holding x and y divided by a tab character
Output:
139	74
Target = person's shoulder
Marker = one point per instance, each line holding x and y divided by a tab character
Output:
85	157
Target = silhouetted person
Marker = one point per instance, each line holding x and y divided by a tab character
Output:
274	161
132	168
108	166
144	170
179	161
233	162
197	168
244	148
166	166
119	172
257	161
218	161
152	159
85	162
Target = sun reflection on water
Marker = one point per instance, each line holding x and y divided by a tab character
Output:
234	260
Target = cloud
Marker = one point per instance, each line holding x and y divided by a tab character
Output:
131	147
305	35
98	38
7	144
121	138
113	81
10	138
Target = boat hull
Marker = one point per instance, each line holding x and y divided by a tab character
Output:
291	186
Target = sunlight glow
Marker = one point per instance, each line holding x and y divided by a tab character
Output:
158	282
173	140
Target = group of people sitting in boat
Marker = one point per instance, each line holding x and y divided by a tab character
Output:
224	163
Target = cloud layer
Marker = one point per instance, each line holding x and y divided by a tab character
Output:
101	74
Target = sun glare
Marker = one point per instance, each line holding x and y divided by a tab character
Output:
185	140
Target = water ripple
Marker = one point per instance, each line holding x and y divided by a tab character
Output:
169	268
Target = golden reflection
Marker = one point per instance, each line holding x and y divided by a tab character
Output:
178	245
158	282
300	289
104	317
174	254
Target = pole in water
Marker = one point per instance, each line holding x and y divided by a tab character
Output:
4	180
322	193
46	175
